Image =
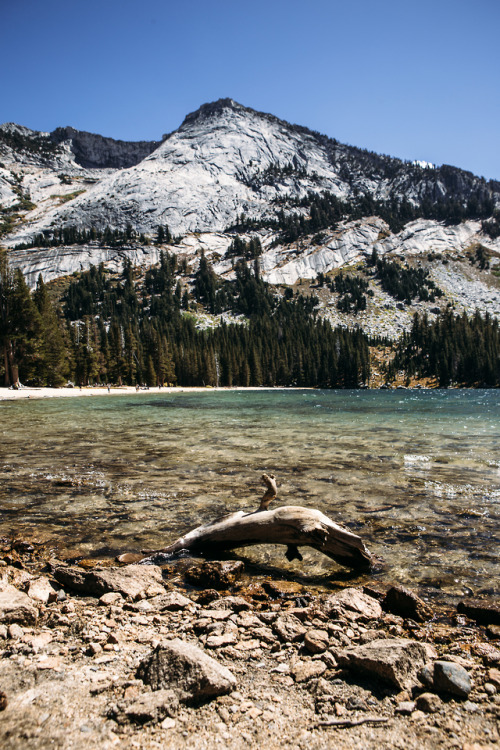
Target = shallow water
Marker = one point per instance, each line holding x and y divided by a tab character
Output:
415	473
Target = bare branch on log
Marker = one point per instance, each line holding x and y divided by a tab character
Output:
270	493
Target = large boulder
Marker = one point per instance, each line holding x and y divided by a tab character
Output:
187	670
395	660
352	604
134	581
16	606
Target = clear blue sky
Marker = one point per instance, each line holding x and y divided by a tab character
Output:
418	80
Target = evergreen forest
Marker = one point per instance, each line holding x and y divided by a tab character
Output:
126	331
144	328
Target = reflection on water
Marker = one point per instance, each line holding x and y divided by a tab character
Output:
416	474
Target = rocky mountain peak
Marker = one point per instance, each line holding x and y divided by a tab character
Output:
211	109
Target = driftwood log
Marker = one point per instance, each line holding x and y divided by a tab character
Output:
291	525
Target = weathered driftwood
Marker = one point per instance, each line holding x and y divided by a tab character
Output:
291	525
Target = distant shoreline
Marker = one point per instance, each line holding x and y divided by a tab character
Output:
6	394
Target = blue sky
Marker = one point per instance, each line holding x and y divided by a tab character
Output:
418	80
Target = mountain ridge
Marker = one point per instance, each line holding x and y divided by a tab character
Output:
316	205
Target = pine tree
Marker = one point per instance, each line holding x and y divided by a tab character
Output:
53	367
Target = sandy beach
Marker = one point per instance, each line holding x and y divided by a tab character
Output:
6	394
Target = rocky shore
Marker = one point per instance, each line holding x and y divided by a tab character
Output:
134	656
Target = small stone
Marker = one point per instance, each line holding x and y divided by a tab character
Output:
418	715
218	641
305	670
395	660
15	606
134	581
405	708
316	641
15	631
494	677
131	692
429	702
172	601
50	662
168	723
481	610
42	590
490	689
254	712
234	603
94	648
187	669
452	678
152	707
289	628
282	589
489	654
426	675
111	598
3	701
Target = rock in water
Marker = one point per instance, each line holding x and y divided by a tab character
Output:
220	575
187	670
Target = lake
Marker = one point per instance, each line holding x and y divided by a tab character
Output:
415	473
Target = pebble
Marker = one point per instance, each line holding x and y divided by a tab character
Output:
429	702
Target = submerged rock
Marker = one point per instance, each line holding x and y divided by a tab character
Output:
219	575
187	670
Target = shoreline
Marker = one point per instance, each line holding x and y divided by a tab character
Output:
7	394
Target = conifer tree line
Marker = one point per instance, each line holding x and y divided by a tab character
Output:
316	212
72	235
453	349
129	331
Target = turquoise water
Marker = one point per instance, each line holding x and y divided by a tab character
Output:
415	473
